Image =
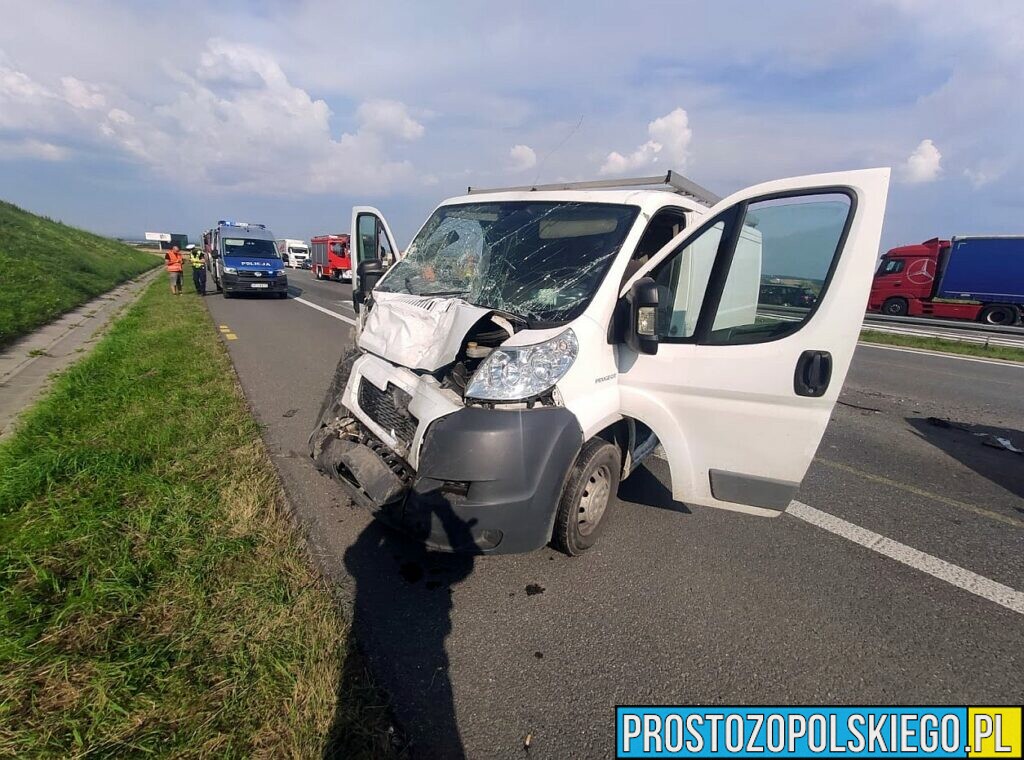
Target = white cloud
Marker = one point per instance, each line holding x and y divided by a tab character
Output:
985	173
389	118
669	135
81	94
31	148
523	158
924	164
239	123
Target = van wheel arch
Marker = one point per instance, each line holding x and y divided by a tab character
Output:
622	435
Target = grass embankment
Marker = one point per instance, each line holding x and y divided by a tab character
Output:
48	268
152	598
1005	353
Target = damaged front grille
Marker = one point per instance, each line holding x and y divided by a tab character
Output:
389	409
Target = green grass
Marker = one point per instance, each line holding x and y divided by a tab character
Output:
948	346
48	268
153	599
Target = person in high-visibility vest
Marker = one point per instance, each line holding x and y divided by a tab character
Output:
198	260
173	259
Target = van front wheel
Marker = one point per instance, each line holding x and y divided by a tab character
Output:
588	491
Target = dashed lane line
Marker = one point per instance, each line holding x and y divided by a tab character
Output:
955	575
981	511
328	312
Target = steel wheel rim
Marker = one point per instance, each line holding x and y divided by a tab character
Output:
594	500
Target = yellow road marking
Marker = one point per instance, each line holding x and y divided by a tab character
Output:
926	494
225	328
230	336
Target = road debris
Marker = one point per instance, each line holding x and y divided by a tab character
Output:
858	406
998	442
534	589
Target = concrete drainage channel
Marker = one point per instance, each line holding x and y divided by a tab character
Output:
27	365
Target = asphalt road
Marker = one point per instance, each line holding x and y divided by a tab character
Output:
679	605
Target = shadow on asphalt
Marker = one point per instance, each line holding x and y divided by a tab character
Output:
643	487
401	618
972	445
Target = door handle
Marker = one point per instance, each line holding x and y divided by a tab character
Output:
813	373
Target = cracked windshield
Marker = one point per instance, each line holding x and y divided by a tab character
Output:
541	261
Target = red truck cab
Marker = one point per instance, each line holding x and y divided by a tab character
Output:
331	258
905	276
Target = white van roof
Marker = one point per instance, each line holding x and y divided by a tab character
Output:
650	193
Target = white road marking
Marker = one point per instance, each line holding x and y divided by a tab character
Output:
943	355
926	563
318	307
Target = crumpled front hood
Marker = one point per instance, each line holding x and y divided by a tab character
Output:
418	332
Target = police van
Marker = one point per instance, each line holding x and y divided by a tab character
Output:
244	259
533	345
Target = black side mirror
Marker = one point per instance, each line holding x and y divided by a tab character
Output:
642	330
368	273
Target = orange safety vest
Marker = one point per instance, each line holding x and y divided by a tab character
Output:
173	261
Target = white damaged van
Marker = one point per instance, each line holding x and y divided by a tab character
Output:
533	345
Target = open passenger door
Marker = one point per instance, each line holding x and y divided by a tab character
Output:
758	310
370	240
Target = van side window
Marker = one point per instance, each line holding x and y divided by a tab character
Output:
664	225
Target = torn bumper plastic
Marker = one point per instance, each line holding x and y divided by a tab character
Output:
488	481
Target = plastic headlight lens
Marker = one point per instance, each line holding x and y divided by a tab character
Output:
230	270
515	373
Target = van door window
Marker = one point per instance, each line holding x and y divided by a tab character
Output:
384	252
366	237
789	244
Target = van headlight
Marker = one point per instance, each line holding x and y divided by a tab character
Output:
515	373
230	270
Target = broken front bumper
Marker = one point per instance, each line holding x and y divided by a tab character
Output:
486	480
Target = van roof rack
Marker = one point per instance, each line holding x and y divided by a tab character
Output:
679	184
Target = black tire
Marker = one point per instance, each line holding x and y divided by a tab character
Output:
998	315
596	471
283	295
895	307
331	406
227	295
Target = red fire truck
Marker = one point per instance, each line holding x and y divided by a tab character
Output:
330	257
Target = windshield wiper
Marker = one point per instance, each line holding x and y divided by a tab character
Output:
442	293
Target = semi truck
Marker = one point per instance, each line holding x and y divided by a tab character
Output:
976	277
292	252
244	259
330	257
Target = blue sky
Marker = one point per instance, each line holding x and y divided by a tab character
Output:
123	117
